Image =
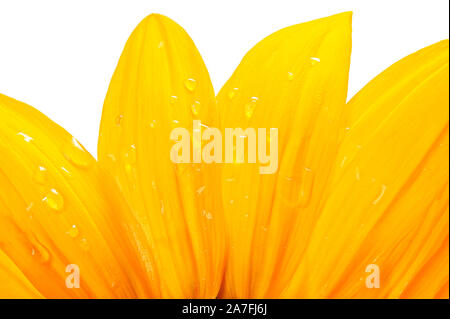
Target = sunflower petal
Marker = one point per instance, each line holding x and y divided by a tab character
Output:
162	83
13	283
295	81
389	204
57	208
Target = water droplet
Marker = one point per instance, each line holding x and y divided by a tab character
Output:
296	191
29	207
173	99
84	244
232	93
66	171
290	76
195	108
54	200
119	119
250	107
26	137
208	215
160	44
201	189
153	123
344	159
190	84
112	157
162	206
318	97
358	175
40	175
73	231
130	156
231	201
40	252
314	61
380	196
76	154
154	185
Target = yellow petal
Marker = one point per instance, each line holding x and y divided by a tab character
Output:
161	83
389	200
13	283
295	81
57	208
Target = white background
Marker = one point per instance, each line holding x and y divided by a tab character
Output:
59	56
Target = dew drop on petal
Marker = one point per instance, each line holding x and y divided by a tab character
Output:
232	93
195	107
173	99
130	156
200	189
73	231
208	215
250	107
119	119
162	207
84	244
358	174
54	200
314	61
290	76
153	123
29	207
380	196
40	252
297	191
26	137
77	155
40	175
112	157
66	171
190	84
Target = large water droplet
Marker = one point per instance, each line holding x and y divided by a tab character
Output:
190	84
54	200
76	154
250	107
